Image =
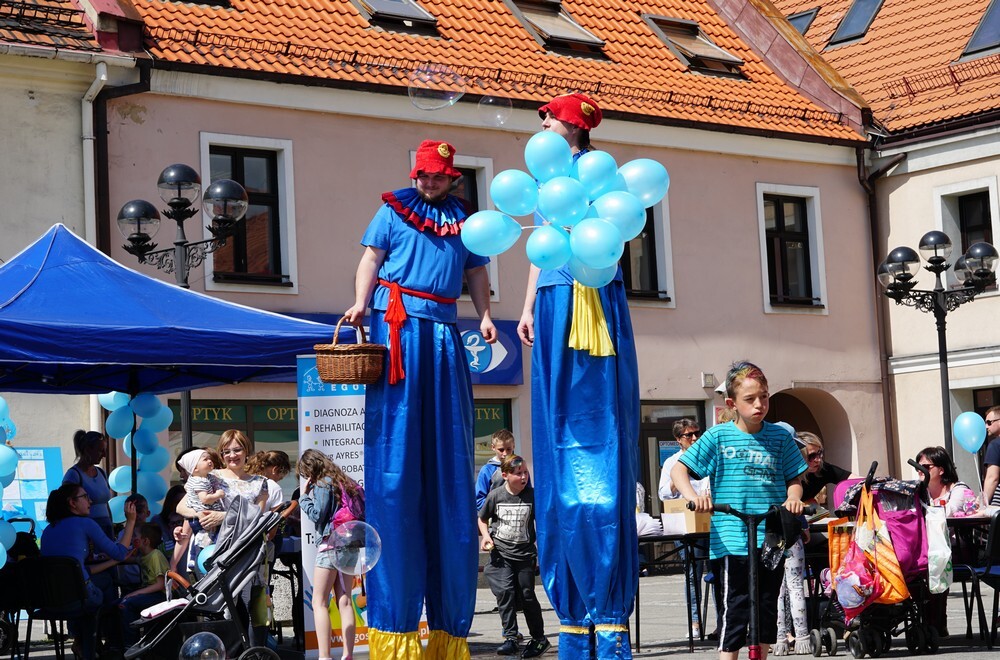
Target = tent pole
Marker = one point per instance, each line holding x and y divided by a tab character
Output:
186	440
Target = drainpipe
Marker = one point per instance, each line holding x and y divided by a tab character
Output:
867	180
89	192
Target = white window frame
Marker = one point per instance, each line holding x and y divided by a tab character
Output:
945	203
817	260
664	259
484	176
286	206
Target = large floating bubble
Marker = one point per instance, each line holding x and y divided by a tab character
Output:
356	547
495	110
435	86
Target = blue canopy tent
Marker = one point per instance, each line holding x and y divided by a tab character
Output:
74	321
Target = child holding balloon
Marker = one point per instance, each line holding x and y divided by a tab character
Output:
325	486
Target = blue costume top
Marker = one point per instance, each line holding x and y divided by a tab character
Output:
99	491
748	472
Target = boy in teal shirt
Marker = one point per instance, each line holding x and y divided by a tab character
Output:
751	465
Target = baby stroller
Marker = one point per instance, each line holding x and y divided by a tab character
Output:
899	505
240	551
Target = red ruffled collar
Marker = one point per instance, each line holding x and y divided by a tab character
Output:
444	218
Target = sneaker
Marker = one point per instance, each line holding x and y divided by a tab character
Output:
536	647
509	647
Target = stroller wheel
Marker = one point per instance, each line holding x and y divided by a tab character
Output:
259	653
873	642
915	640
856	644
815	642
933	640
830	641
7	634
886	642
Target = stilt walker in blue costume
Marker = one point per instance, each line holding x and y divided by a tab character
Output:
418	416
585	428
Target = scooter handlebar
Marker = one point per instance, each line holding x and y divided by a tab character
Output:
808	510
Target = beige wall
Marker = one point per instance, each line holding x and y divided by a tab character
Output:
344	160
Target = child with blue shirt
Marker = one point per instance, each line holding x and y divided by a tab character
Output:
751	465
502	444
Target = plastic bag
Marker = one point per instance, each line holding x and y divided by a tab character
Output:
857	582
872	535
939	567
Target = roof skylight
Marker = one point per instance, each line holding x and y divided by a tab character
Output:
857	21
987	35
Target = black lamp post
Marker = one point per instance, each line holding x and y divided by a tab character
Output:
975	271
180	187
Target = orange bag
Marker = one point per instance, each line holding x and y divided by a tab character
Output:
839	533
872	536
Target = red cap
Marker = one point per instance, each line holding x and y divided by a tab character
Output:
435	157
575	109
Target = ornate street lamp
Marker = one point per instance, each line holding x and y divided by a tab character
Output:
975	271
180	187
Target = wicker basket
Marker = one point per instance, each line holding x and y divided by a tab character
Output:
349	364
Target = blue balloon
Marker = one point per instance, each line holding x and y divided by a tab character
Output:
10	428
117	506
154	507
596	243
145	441
151	485
970	431
145	405
155	461
562	201
204	556
7	535
7	479
592	277
112	401
514	192
3	433
647	179
488	233
548	247
8	459
623	210
161	421
548	155
119	423
3	559
597	171
120	479
4	408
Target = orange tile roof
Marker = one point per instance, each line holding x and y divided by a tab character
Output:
906	66
55	23
485	43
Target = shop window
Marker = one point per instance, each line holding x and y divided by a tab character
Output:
657	443
491	415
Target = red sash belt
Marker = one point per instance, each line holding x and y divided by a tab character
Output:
395	315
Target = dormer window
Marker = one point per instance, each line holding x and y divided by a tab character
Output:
691	45
555	29
404	15
987	34
856	21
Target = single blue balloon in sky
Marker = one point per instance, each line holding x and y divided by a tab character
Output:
970	431
548	155
120	479
646	179
488	233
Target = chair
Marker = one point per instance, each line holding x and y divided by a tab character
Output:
989	572
52	589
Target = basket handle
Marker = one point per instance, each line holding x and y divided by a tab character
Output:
364	339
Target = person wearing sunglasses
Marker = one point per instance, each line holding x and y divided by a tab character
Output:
991	494
820	473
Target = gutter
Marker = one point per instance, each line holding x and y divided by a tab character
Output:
87	124
81	57
867	180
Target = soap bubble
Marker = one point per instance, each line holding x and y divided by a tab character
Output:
203	646
495	110
356	547
435	86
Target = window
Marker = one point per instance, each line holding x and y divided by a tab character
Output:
639	269
555	29
395	14
857	21
803	20
793	266
260	256
491	416
657	442
691	46
968	212
987	35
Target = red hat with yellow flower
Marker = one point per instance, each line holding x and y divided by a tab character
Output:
575	109
435	157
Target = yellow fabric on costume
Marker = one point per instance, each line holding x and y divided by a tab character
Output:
442	646
394	646
610	627
574	630
589	331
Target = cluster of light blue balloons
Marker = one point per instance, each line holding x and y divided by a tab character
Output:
153	457
969	431
591	207
8	471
